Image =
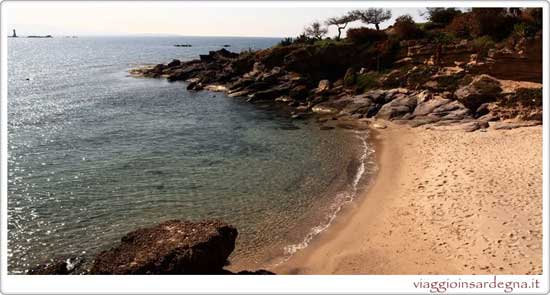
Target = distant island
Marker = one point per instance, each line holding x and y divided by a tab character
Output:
14	35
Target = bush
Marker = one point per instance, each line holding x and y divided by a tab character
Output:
350	77
521	30
483	44
365	35
531	97
367	81
532	16
440	37
440	15
405	28
430	26
386	51
460	26
494	22
286	42
328	42
524	29
303	39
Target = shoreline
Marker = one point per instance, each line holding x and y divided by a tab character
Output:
339	198
386	231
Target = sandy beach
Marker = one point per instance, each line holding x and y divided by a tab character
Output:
443	202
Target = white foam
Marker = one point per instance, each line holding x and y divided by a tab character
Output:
341	199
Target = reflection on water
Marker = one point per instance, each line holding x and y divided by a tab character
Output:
94	154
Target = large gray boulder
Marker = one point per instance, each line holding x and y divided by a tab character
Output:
428	106
397	108
482	89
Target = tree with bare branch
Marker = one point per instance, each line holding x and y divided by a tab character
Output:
315	31
373	16
341	22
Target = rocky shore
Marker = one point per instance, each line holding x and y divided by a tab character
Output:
455	88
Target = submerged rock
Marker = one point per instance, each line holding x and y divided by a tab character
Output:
172	247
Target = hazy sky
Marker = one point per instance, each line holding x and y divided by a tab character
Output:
177	18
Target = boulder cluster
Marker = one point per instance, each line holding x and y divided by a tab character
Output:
420	89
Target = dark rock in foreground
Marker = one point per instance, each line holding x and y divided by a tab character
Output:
172	247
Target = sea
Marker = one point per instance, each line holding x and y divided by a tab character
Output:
94	153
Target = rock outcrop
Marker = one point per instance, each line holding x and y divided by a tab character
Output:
337	81
482	89
172	247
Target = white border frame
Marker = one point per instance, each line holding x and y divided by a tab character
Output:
287	284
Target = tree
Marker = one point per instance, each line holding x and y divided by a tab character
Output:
373	16
316	31
442	15
341	22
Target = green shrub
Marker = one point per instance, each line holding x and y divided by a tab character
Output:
531	97
483	44
460	26
440	15
520	29
440	37
327	42
524	29
430	26
386	52
365	35
367	81
532	16
405	28
350	78
286	41
493	22
303	39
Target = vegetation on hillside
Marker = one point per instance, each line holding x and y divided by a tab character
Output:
485	28
457	57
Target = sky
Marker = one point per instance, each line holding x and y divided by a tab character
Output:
172	18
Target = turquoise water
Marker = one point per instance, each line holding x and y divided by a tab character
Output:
94	153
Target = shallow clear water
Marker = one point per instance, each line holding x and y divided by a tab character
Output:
94	153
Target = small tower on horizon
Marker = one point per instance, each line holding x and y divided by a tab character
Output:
14	34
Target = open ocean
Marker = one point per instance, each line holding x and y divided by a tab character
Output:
94	153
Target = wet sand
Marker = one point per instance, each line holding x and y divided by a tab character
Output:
443	202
